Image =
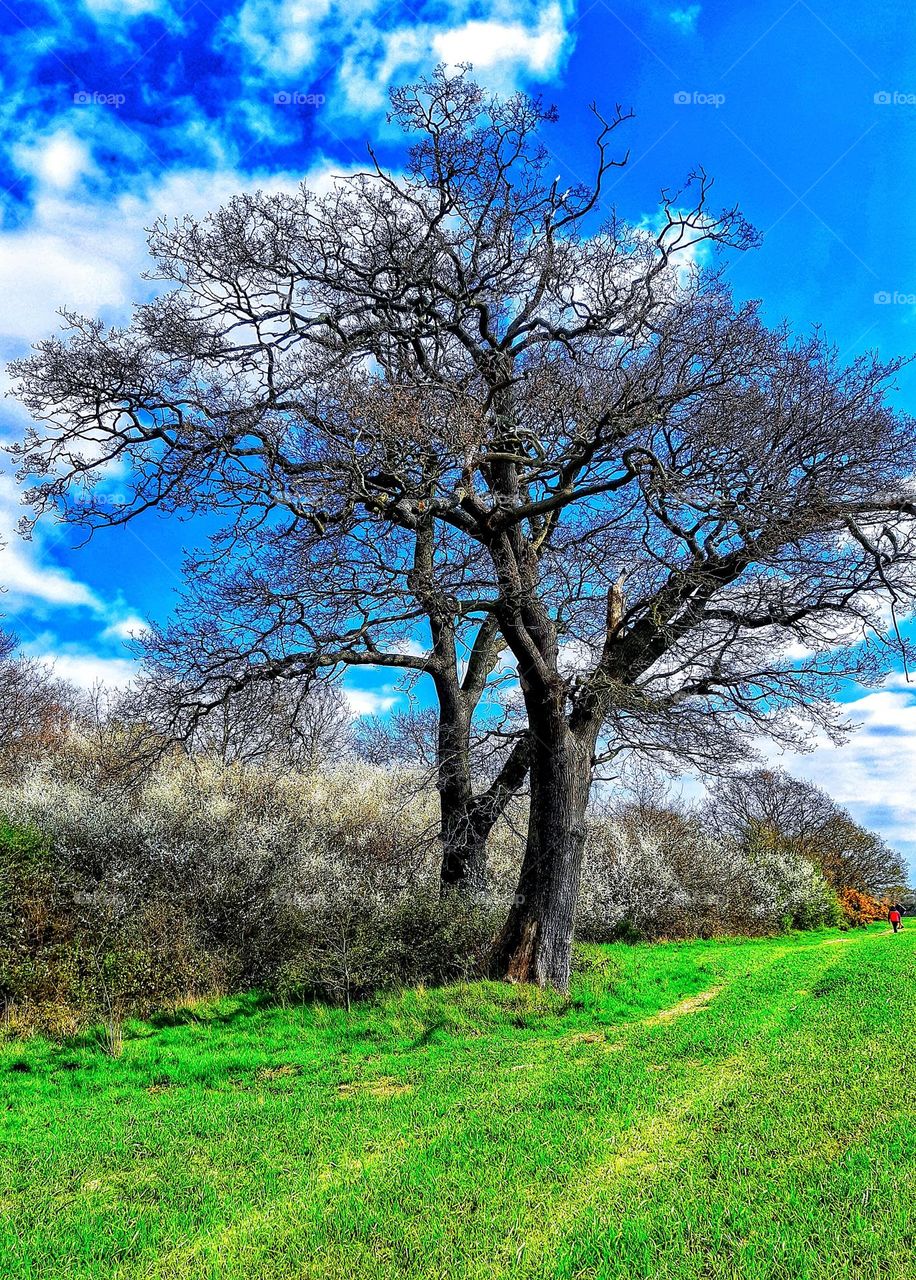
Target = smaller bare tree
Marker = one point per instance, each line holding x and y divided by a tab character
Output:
37	707
288	724
771	806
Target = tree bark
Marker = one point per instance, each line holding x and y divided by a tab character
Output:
464	857
535	944
463	866
468	818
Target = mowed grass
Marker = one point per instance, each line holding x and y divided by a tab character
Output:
732	1109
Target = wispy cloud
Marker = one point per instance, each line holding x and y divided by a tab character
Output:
86	669
685	19
356	50
366	702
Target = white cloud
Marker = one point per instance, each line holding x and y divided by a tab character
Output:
88	669
23	578
127	9
363	702
486	44
89	254
373	61
22	572
36	590
56	161
282	38
355	47
40	272
129	628
685	19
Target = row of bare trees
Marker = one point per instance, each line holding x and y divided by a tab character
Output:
465	423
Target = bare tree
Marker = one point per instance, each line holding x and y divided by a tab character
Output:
402	737
295	604
8	641
360	593
288	724
770	804
37	707
453	398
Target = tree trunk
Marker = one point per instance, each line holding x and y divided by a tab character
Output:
535	944
468	819
463	868
464	857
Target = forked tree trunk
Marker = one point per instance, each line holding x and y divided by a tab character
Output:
535	944
468	818
463	868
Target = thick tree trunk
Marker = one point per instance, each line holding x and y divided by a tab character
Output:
468	818
535	944
464	856
462	833
462	867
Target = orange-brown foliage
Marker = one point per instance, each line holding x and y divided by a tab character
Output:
861	908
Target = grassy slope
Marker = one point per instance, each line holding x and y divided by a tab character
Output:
765	1130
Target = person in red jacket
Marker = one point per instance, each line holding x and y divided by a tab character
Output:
894	917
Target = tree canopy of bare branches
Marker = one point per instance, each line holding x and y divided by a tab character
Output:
770	805
465	402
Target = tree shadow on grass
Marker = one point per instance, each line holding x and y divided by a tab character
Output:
248	1005
40	1053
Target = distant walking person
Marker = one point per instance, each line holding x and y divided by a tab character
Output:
894	917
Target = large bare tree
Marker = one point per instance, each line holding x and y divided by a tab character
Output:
457	397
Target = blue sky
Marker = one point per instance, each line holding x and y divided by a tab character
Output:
113	113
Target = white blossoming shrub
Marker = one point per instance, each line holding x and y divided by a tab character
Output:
655	873
199	876
209	876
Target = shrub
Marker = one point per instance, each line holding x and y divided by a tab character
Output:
860	909
652	872
218	877
212	877
352	946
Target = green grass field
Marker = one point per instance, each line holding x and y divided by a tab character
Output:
736	1109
